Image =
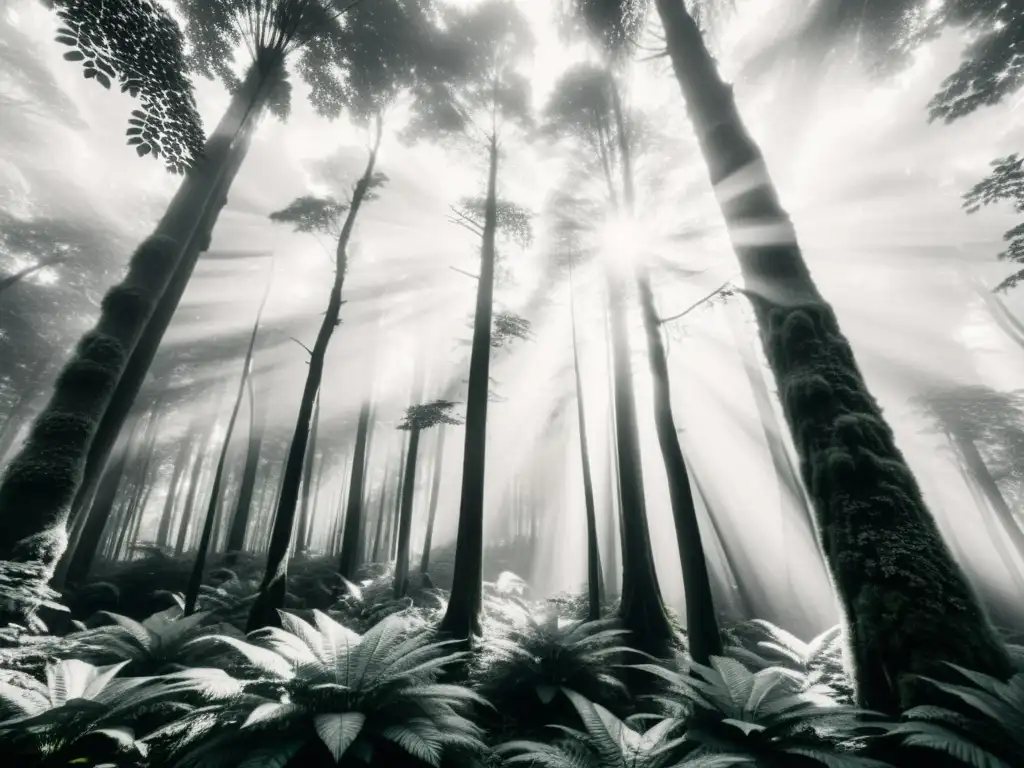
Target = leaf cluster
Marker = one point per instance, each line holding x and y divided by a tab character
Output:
427	415
138	44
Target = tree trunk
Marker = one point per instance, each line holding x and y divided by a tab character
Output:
405	517
26	406
202	196
378	535
243	509
305	512
595	585
196	579
462	617
391	526
180	462
641	608
435	488
194	483
908	603
353	528
274	587
74	567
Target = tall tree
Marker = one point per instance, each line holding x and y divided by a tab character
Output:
479	95
308	495
435	492
269	31
243	508
417	418
1005	183
871	515
206	537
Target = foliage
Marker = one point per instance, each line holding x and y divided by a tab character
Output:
990	735
77	704
607	742
992	67
770	715
514	221
371	696
1004	183
524	669
158	644
759	644
138	43
474	89
507	326
308	214
614	26
427	415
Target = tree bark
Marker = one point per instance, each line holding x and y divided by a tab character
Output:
270	598
462	618
196	578
909	605
409	487
194	483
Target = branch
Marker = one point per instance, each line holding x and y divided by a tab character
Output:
696	304
464	272
302	345
10	280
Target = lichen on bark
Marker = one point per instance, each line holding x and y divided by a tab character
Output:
908	604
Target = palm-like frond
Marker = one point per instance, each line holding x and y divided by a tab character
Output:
376	693
988	733
155	645
770	713
605	742
524	669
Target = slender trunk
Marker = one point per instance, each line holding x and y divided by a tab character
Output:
194	483
243	509
409	487
196	579
201	197
305	511
405	517
617	478
595	585
274	587
702	629
641	608
983	477
391	526
353	528
321	467
435	488
74	566
140	485
613	545
909	605
462	618
180	462
381	507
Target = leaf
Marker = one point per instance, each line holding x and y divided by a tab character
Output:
103	80
67	40
74	55
546	693
143	149
338	731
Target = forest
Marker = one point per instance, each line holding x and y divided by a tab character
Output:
486	383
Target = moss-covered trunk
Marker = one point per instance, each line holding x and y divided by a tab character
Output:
189	222
275	581
435	491
462	618
907	603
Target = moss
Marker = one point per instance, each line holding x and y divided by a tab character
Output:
908	604
86	379
126	306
